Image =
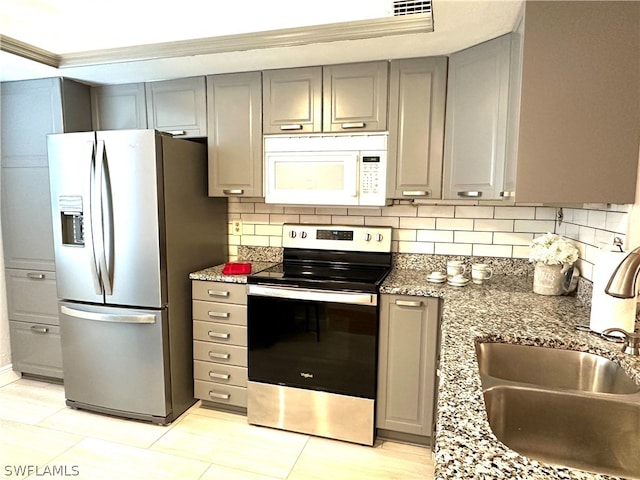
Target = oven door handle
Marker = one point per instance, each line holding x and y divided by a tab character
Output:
314	295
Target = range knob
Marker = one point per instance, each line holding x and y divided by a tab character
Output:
292	234
367	237
303	234
379	237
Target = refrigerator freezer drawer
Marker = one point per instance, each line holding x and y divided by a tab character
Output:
116	366
215	392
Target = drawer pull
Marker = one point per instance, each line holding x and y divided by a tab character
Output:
353	125
223	356
221	376
291	127
218	314
176	133
507	194
37	329
415	193
470	194
218	293
36	276
223	396
408	303
213	334
235	191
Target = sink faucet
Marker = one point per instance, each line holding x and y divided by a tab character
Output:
624	281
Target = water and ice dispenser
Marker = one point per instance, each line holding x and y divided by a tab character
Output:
72	219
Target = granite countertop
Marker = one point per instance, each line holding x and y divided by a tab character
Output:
506	310
214	274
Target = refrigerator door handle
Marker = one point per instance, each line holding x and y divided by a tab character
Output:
106	221
107	317
94	224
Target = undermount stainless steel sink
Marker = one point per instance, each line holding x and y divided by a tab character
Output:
552	367
562	407
586	432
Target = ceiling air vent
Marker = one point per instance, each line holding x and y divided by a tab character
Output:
411	7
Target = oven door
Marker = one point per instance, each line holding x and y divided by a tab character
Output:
313	339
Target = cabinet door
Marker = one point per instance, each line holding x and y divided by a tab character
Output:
30	110
26	219
178	106
417	90
119	107
32	297
476	123
235	134
355	97
292	100
36	349
409	330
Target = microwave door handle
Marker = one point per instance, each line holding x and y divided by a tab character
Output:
351	175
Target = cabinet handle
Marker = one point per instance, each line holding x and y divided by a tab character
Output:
176	133
415	193
218	293
224	336
223	396
218	314
37	329
291	127
470	194
409	303
507	194
236	191
353	125
223	356
222	376
36	276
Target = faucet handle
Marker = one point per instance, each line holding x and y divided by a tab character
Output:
631	343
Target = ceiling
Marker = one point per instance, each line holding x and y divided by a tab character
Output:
125	41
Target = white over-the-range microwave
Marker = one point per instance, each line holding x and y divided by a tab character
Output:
326	169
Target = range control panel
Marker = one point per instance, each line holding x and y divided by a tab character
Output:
337	237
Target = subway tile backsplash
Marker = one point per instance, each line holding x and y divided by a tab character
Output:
460	230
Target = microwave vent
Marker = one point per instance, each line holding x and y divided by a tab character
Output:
411	7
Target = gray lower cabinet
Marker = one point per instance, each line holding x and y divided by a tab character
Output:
119	107
31	110
407	362
220	343
33	322
234	109
178	106
417	91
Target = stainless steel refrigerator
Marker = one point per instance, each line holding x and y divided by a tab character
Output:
131	220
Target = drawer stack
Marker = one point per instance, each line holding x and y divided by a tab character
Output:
220	342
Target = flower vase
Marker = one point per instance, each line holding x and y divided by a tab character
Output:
549	279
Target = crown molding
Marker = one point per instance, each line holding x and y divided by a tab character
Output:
289	37
30	52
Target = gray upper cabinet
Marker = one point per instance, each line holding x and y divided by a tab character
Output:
178	106
292	100
407	362
355	97
235	134
335	98
477	121
417	91
579	109
118	107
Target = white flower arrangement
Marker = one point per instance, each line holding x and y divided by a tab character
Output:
552	249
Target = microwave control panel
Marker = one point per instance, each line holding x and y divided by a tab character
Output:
372	178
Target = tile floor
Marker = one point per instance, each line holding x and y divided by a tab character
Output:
38	432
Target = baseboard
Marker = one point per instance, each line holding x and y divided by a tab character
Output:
7	375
